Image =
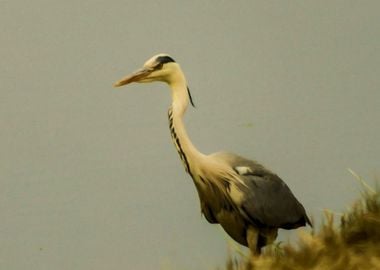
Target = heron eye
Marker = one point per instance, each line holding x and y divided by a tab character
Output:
159	66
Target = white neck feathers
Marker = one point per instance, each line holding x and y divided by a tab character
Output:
189	155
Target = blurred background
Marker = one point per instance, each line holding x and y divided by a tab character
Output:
89	178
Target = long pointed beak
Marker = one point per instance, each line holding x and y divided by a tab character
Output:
134	77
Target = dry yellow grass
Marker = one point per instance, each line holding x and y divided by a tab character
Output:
354	244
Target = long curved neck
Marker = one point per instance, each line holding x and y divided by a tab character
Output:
189	155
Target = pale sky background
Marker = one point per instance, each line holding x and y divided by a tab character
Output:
89	178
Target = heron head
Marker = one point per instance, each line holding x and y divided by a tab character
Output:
160	67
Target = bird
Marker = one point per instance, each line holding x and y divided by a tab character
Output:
249	201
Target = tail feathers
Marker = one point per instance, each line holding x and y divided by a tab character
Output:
308	221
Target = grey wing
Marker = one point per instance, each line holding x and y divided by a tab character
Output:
268	201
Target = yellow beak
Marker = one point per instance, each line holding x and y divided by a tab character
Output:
134	77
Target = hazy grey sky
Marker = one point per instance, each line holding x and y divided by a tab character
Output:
89	177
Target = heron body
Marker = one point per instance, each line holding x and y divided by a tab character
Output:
249	201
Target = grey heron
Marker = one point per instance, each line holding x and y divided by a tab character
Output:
249	201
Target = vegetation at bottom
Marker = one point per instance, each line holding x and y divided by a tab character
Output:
354	244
